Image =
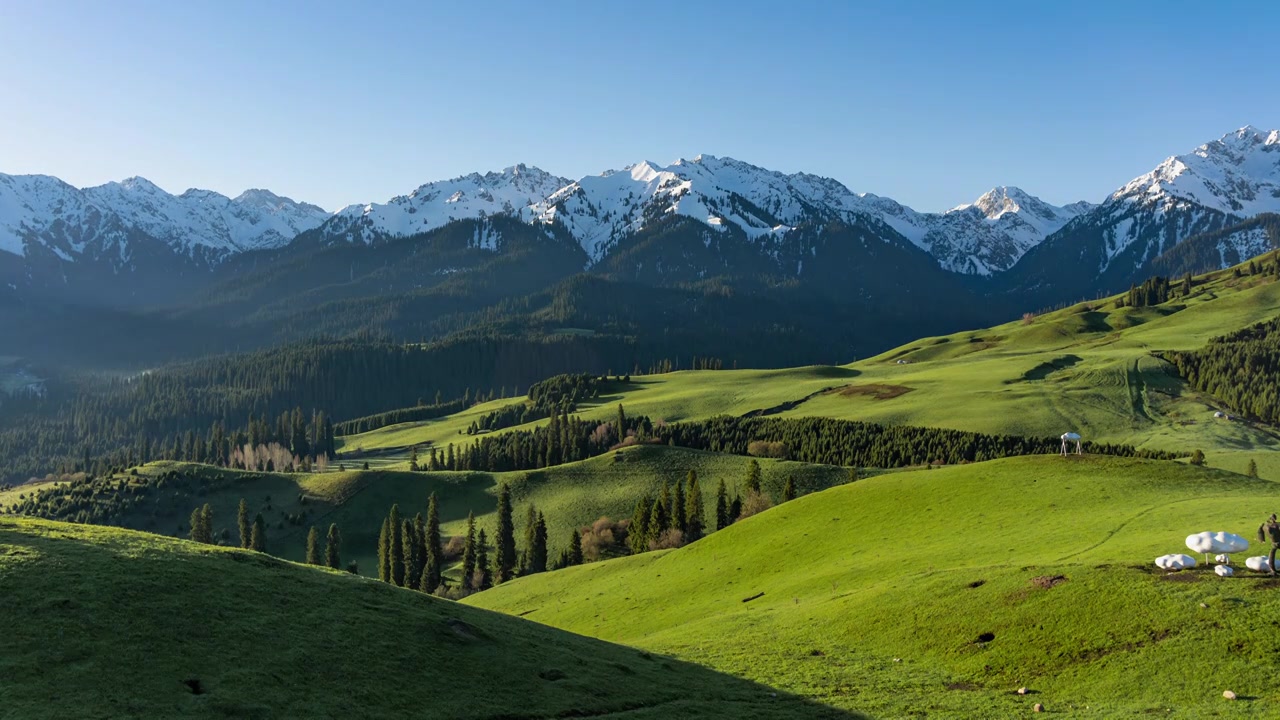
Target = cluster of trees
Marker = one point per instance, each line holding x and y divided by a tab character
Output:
253	536
812	440
565	439
1242	369
673	518
418	413
332	556
1154	291
411	552
859	444
554	396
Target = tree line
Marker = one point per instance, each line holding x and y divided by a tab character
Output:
1242	369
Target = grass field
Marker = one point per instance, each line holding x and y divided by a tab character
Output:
102	622
570	496
1087	368
938	593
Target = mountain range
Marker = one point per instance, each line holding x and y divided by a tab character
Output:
1219	183
699	249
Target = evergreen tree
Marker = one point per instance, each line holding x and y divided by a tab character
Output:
622	424
411	551
395	526
538	552
693	524
1197	457
722	507
333	548
258	535
789	489
469	551
753	477
638	533
504	560
419	565
197	532
432	572
678	517
243	520
735	508
413	460
575	548
313	546
853	474
482	562
659	522
530	527
664	497
1253	469
206	524
384	552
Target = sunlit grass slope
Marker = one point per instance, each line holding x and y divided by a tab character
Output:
941	592
101	622
1088	368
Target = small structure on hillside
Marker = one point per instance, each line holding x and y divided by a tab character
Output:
1071	437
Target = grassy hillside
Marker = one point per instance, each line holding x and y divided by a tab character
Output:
209	632
1088	368
941	592
570	495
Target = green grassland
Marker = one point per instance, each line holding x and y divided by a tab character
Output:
570	496
103	622
878	596
1088	368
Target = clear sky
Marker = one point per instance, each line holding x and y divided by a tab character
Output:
333	103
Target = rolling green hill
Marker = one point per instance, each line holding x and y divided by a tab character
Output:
102	622
571	496
1088	368
939	593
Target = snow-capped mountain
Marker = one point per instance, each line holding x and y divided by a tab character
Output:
436	204
1216	186
41	212
984	237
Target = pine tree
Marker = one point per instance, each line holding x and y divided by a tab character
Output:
504	561
482	563
413	460
575	548
664	497
638	533
206	524
418	566
197	533
693	524
530	527
469	551
853	474
789	489
411	550
1197	457
313	546
1253	469
243	519
538	551
735	508
384	552
753	477
659	522
622	424
395	526
333	548
258	536
434	560
678	518
722	507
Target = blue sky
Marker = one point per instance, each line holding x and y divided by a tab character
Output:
928	103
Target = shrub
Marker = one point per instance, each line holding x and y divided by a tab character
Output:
669	539
764	448
756	502
1028	318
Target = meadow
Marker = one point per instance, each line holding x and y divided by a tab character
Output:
942	592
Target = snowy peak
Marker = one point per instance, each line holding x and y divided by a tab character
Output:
436	204
69	221
1237	174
